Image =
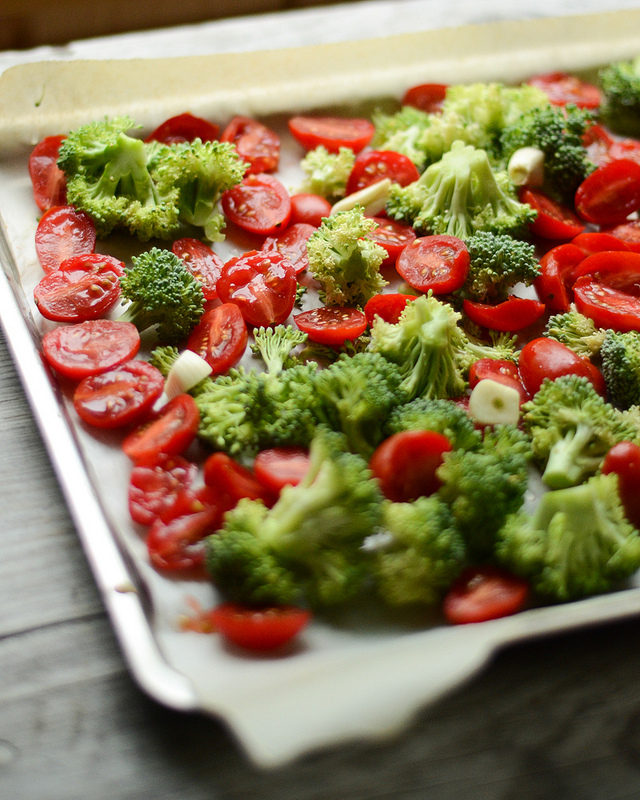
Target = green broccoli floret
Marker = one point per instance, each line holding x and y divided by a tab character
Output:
344	261
459	196
577	332
572	428
578	541
109	176
483	486
308	547
620	83
327	173
163	294
620	354
498	262
288	407
434	414
163	358
558	134
274	346
422	555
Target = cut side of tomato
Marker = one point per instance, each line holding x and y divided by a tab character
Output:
606	306
309	208
255	143
169	432
497	369
259	628
332	325
627	232
231	479
619	269
388	307
47	179
63	233
202	263
184	128
427	97
372	166
331	132
554	221
514	314
153	488
610	193
278	467
292	244
563	89
484	593
220	337
553	285
259	204
437	263
393	236
178	545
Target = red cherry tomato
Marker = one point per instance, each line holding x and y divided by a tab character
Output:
255	143
120	396
591	242
426	97
82	288
62	233
553	221
598	141
393	236
169	432
553	285
406	463
47	179
499	370
278	467
153	488
376	165
262	284
563	89
514	314
220	337
259	204
627	232
184	128
332	325
229	478
77	351
438	263
547	358
610	193
292	244
483	593
309	208
258	628
624	460
331	132
625	148
388	307
202	263
606	306
616	268
177	545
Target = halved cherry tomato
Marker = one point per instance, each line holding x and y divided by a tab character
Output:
439	263
406	464
220	337
376	165
292	244
553	285
591	242
177	545
625	148
47	179
255	143
228	477
62	233
169	432
553	221
497	369
120	396
597	140
393	236
278	467
331	132
332	325
563	89
610	193
627	232
202	263
259	628
619	269
184	128
262	284
606	306
309	208
547	358
82	288
259	204
483	593
624	460
514	314
90	347
426	97
153	488
388	307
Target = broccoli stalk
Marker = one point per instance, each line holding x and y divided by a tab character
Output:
327	173
620	354
274	346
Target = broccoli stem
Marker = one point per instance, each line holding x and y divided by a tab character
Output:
569	461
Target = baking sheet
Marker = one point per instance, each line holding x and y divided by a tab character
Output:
346	679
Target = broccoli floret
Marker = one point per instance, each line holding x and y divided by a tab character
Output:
496	264
577	332
274	346
485	485
558	134
288	410
620	84
344	261
163	294
578	542
163	358
434	414
423	554
459	196
308	547
109	177
327	173
572	428
620	354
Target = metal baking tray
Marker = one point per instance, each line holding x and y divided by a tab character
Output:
349	679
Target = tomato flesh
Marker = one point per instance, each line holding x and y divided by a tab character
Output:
547	358
438	263
184	128
220	337
427	97
255	143
606	306
259	204
332	325
373	166
47	179
484	593
388	307
331	132
62	233
553	285
259	628
292	244
202	263
178	545
619	269
610	193
170	432
393	237
153	488
228	477
309	208
278	467
554	221
563	89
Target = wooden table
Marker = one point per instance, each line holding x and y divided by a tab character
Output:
558	717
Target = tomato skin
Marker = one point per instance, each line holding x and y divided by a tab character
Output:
606	306
439	263
388	307
258	204
87	348
332	325
483	593
624	460
278	467
499	370
292	244
331	132
255	143
597	141
514	314
262	284
610	193
47	179
405	464
62	233
547	358
229	478
627	232
220	337
178	544
309	208
372	166
202	263
596	242
393	236
553	285
554	221
563	89
118	397
427	97
259	628
616	268
153	488
184	128
169	432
